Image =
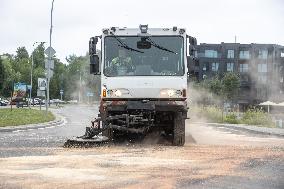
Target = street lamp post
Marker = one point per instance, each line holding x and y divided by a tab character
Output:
80	86
49	59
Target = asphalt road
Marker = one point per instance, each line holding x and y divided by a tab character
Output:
211	158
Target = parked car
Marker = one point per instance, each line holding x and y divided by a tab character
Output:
6	101
3	103
73	101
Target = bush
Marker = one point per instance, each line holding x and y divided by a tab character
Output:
210	113
257	117
231	118
250	117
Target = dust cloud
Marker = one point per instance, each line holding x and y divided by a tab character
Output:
200	97
266	82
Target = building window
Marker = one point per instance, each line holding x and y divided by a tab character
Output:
230	67
263	54
211	54
230	54
205	66
282	54
243	67
262	68
262	79
215	66
244	55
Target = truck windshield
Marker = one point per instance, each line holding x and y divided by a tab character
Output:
153	61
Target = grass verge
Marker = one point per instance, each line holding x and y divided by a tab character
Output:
250	117
23	116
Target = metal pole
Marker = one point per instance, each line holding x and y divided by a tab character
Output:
31	81
49	58
12	94
31	77
80	87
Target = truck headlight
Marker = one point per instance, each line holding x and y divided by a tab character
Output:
118	92
170	93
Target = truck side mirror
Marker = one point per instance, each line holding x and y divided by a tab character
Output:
192	62
93	45
191	50
94	58
192	40
94	64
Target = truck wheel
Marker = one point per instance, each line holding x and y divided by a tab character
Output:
179	130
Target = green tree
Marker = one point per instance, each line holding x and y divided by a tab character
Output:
17	68
1	75
22	53
38	56
230	85
225	87
215	86
80	66
9	75
38	67
57	81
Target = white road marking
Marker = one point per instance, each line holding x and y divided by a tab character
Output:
17	131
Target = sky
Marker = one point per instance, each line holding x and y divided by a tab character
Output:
24	22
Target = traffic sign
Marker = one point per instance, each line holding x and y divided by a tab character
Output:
50	73
49	51
40	93
61	91
51	64
41	82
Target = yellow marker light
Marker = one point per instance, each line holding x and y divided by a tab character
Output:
104	93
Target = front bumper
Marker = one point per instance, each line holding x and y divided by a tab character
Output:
145	105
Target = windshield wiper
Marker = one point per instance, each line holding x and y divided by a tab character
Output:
123	45
158	46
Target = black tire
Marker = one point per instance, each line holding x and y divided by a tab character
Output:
179	130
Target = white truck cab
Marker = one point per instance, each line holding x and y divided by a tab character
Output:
144	80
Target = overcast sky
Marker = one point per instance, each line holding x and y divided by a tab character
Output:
24	22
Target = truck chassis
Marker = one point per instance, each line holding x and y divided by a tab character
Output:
119	118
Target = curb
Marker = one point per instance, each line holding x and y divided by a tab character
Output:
58	121
250	128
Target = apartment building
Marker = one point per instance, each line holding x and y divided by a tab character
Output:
260	66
